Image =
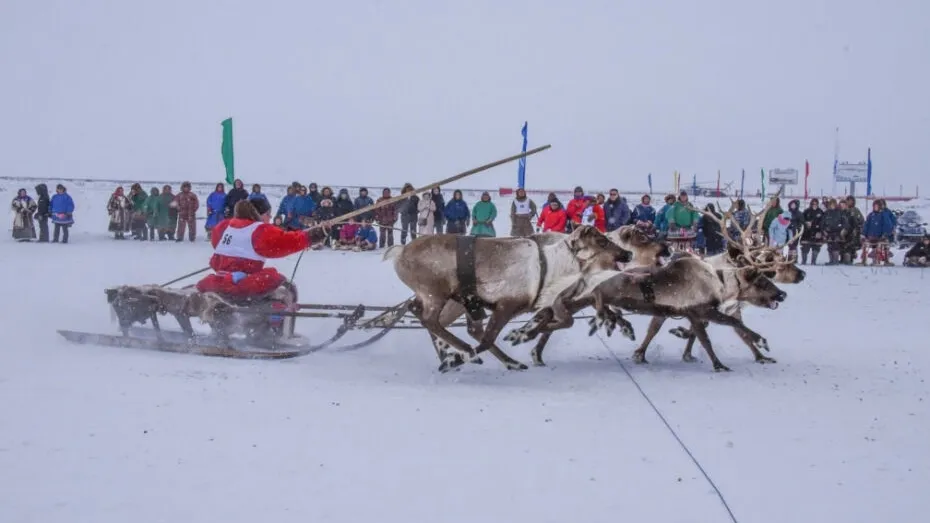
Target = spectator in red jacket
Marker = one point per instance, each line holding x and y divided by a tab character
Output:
576	206
553	217
593	214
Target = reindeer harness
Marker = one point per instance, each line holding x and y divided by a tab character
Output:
467	277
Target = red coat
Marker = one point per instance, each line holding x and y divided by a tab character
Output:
552	221
574	209
265	241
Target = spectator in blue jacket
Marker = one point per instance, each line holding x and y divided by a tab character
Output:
366	238
616	211
257	194
286	208
302	210
456	214
216	208
644	212
62	210
661	222
878	225
363	201
891	215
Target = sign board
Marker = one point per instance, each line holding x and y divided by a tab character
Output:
783	176
852	172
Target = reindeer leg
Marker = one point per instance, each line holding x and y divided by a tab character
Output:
755	339
698	327
537	351
639	355
443	339
686	355
531	328
156	326
503	312
476	331
748	340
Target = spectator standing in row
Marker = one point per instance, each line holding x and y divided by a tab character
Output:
616	211
644	212
362	201
257	194
216	208
62	213
426	214
153	208
235	195
137	222
483	215
575	207
408	210
23	207
439	215
187	204
522	212
167	221
553	217
119	207
661	221
386	217
42	211
812	237
456	214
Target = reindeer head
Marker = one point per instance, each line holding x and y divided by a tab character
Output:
595	251
645	246
748	253
757	289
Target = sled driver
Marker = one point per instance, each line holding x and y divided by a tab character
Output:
241	245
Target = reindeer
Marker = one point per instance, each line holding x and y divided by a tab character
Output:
749	252
647	252
509	276
686	287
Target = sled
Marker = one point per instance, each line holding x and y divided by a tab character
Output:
681	241
260	329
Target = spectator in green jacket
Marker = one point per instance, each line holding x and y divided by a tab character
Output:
682	215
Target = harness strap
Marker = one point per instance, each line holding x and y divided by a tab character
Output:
646	287
466	275
543	270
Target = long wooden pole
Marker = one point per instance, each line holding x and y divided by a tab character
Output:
400	197
459	176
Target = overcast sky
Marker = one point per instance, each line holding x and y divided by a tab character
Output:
376	92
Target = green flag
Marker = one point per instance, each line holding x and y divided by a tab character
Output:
227	150
763	183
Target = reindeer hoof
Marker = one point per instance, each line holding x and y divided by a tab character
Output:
687	358
450	362
765	359
627	330
516	366
721	367
762	343
680	332
639	357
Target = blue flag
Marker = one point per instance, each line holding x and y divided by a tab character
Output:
868	179
742	183
650	183
521	169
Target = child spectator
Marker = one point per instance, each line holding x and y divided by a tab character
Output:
366	239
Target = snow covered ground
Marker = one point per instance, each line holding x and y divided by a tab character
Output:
835	431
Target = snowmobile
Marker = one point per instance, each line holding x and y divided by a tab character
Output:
910	230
